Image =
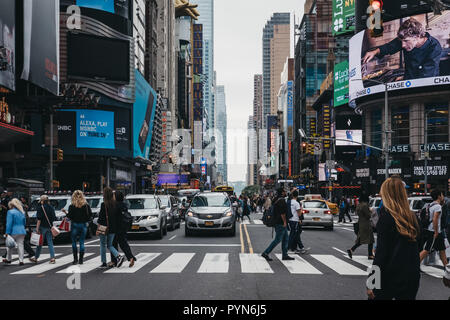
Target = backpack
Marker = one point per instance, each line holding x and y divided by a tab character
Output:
424	219
127	219
289	211
269	217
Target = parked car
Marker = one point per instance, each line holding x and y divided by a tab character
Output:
317	214
210	212
149	215
172	211
417	202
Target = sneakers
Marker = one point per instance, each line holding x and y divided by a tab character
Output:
287	258
52	261
302	251
33	259
266	256
120	260
6	261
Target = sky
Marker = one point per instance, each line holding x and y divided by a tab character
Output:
237	58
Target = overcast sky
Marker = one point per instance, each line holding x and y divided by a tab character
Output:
238	57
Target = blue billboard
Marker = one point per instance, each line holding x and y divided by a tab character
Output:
143	116
95	129
119	7
290	110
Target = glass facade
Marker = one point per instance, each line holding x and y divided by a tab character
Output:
437	122
400	125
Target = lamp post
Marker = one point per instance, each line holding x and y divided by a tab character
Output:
425	148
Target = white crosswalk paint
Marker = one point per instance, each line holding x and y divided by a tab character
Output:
142	260
86	267
15	259
45	266
362	260
254	263
214	263
431	271
338	265
298	266
174	264
245	222
257	222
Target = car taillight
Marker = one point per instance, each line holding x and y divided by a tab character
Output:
328	212
305	211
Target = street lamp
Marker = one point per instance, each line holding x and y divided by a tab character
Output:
386	123
425	147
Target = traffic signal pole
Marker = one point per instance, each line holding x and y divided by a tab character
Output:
51	151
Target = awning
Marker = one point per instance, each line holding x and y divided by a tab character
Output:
11	134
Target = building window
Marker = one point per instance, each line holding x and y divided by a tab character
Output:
400	125
437	122
376	132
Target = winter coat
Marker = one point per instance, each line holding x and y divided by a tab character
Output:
365	233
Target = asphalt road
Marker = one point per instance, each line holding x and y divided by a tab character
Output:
210	267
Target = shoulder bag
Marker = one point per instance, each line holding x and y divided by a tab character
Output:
103	230
55	231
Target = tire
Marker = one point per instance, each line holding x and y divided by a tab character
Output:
160	233
187	232
329	228
165	229
232	233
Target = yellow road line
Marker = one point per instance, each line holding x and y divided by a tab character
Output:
248	240
242	238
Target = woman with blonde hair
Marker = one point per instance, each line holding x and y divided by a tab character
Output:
397	254
79	214
15	227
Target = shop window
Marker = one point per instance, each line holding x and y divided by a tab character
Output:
437	122
400	125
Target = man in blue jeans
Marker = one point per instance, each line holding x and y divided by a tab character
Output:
280	211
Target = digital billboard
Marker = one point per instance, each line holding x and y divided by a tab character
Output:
143	116
341	84
413	52
343	20
290	110
41	43
350	135
7	44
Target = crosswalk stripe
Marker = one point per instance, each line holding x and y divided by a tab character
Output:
15	259
174	264
44	267
257	222
254	263
338	265
142	260
86	267
215	263
245	222
362	260
431	271
298	266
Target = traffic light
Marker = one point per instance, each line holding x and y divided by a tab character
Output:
304	147
375	20
59	155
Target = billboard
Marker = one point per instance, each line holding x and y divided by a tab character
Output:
412	52
7	44
41	43
172	179
343	20
119	7
198	71
290	110
351	135
326	126
341	84
143	116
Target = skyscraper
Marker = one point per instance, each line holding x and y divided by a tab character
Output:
258	99
276	48
206	9
221	125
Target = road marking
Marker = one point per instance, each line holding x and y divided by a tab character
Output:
250	248
361	260
431	271
215	263
172	238
86	267
338	265
174	264
242	238
343	252
15	259
254	263
257	222
245	222
142	260
44	267
167	245
298	266
92	241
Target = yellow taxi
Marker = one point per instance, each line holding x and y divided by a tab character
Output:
333	207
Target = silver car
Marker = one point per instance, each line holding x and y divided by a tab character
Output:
149	215
210	212
58	203
317	214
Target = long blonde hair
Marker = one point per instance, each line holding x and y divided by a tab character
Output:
15	203
395	200
78	199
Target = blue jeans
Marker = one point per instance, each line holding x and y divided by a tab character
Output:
281	236
47	235
107	242
78	230
294	235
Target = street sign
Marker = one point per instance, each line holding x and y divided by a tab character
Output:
317	149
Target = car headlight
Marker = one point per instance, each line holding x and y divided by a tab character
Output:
153	216
228	213
190	214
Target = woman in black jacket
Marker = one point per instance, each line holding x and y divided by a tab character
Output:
397	254
109	216
79	214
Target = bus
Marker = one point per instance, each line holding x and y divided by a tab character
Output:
226	189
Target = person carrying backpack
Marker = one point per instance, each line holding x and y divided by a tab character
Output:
430	220
279	210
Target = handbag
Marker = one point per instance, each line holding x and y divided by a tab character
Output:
65	225
103	230
55	231
36	239
10	242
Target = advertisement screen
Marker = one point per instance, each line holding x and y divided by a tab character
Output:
341	84
343	16
95	129
413	52
143	116
7	44
119	7
351	135
41	43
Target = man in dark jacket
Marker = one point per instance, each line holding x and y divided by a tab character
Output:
422	52
280	217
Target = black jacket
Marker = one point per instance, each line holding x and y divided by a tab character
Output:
397	257
50	215
80	215
114	215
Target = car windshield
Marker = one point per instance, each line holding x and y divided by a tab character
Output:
314	205
419	204
210	200
94	203
165	201
57	204
137	204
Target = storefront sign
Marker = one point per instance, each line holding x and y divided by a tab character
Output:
434	169
362	173
391	171
436	147
401	148
326	126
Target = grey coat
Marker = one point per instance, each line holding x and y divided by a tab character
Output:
365	234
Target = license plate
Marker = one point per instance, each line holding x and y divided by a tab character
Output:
316	219
134	227
209	223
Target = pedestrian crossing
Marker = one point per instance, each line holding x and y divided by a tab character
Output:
215	263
